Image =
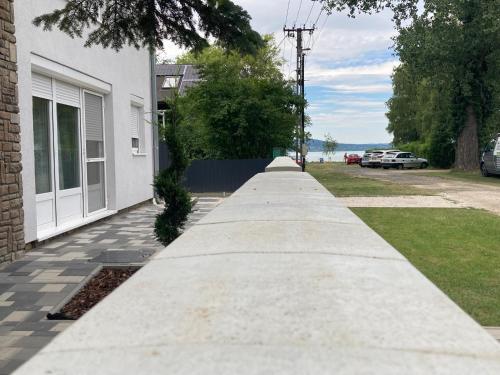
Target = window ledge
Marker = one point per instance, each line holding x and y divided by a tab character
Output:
139	154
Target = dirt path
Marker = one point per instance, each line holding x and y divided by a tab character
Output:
457	193
413	201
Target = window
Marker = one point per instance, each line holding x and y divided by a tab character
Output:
68	146
137	129
41	130
170	82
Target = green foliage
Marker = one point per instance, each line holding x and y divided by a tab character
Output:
243	108
450	67
188	23
330	145
402	9
167	184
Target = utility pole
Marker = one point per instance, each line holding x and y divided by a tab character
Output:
300	88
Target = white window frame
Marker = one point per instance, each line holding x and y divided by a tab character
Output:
93	160
141	131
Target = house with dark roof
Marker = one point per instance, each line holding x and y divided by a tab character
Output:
170	77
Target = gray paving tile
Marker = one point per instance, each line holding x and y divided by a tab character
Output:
5	287
125	238
10	366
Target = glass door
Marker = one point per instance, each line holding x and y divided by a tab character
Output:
94	152
44	177
69	193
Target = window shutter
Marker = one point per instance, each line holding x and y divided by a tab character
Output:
67	94
134	121
93	117
41	86
142	138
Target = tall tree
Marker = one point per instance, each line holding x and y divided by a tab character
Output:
450	42
242	108
454	44
188	23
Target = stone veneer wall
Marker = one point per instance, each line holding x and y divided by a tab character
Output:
11	206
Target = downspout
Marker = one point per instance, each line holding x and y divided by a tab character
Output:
154	114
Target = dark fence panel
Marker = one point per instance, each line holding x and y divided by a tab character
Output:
204	176
215	176
164	156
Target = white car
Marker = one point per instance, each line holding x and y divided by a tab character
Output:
402	160
377	156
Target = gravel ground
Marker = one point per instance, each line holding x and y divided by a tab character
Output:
449	193
414	201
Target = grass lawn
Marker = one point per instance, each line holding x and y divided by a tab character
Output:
458	249
333	177
475	177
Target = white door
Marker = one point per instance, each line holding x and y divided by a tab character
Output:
57	149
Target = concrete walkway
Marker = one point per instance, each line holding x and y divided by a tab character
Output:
46	276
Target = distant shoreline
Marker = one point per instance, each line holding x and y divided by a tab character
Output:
316	145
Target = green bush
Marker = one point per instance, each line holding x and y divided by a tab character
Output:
418	148
168	187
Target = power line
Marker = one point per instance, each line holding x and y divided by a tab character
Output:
310	11
319	15
320	31
298	12
287	10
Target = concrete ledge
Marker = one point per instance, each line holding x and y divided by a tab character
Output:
278	279
283	164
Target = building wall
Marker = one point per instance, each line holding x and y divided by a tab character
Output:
127	72
11	204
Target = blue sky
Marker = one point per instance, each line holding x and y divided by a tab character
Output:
347	71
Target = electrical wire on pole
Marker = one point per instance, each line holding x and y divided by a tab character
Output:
314	41
310	11
298	13
300	141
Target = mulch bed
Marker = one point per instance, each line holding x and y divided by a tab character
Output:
102	284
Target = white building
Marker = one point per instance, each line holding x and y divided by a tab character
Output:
86	133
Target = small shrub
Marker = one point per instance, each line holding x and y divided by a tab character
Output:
168	187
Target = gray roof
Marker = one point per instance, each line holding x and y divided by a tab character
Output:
188	77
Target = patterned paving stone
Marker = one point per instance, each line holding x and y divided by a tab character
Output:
44	277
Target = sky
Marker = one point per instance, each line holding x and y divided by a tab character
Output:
348	70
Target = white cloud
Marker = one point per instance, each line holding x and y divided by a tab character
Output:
350	60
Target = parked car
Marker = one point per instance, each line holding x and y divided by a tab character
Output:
490	159
402	160
353	159
365	160
377	156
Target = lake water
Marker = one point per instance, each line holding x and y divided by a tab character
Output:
335	157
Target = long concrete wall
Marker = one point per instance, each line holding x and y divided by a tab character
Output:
279	279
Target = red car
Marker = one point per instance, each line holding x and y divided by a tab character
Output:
353	159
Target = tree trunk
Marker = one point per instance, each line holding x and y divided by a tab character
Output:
467	152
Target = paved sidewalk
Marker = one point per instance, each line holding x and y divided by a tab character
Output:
41	280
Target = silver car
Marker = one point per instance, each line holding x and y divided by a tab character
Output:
377	156
365	160
402	160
